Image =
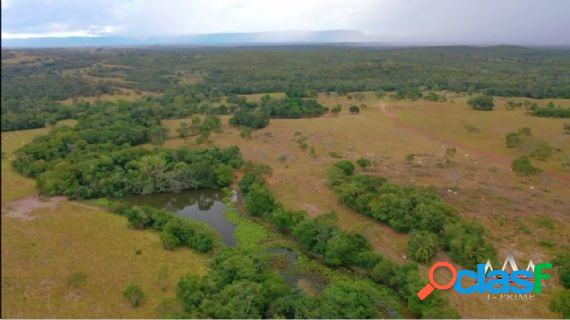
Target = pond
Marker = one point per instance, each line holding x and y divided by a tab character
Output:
202	205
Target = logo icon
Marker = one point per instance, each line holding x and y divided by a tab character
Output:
488	280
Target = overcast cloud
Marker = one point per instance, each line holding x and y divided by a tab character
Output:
494	21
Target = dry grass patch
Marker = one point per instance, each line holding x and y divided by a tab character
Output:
63	259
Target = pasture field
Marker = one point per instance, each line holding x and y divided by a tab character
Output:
65	259
531	212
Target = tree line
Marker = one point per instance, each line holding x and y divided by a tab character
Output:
431	221
98	157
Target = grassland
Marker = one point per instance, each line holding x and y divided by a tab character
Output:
68	260
519	213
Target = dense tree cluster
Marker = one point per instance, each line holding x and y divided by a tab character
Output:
481	102
338	248
301	72
95	158
242	285
551	111
257	115
30	114
498	71
407	209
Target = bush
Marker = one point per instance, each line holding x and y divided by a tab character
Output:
190	233
133	294
285	219
346	166
523	167
259	201
560	302
169	241
551	111
481	102
364	162
315	233
542	151
465	243
354	109
563	263
422	246
76	280
513	140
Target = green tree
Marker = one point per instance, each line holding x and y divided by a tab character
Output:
422	246
336	109
363	162
184	130
481	102
158	135
346	166
524	167
560	302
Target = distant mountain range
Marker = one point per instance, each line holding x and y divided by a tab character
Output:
282	37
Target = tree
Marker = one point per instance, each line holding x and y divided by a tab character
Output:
259	200
364	163
481	102
336	109
354	109
355	300
465	243
190	291
524	167
184	130
285	219
158	135
422	246
346	166
133	294
560	302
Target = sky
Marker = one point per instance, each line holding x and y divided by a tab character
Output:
460	21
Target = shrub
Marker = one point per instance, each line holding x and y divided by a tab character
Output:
346	166
542	151
190	233
364	162
336	109
315	233
560	302
169	241
481	102
133	294
422	246
354	109
465	243
563	263
551	111
259	201
76	280
513	140
285	219
523	167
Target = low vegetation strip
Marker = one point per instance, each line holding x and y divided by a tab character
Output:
409	209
